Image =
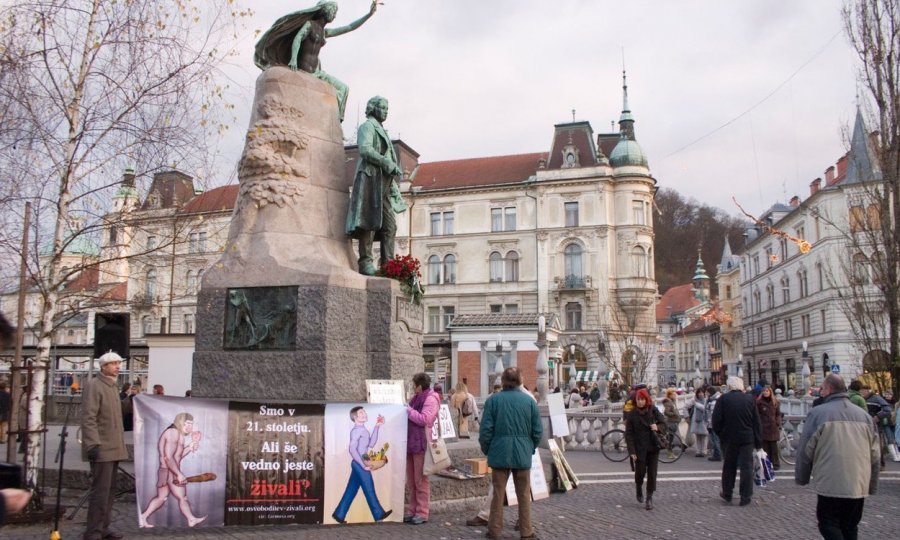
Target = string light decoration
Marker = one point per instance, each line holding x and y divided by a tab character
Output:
802	244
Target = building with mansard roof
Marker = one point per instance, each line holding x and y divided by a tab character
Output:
568	231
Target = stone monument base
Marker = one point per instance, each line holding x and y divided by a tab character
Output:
284	314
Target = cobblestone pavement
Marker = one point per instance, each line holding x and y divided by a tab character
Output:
686	506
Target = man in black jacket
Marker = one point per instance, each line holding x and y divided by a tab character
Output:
736	422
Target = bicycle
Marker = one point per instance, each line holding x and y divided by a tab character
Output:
787	446
674	451
614	448
613	445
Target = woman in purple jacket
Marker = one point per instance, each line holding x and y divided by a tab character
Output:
422	412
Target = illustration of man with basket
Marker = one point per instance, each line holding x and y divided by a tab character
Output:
364	461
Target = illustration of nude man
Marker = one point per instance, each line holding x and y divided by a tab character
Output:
170	479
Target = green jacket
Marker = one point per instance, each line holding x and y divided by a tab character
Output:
510	429
857	399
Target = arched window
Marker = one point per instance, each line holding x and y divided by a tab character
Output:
786	290
496	264
770	296
450	269
146	324
638	262
150	284
434	270
191	281
572	258
512	266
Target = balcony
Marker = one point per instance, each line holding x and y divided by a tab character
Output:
573	281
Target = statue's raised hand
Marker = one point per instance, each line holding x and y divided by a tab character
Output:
373	7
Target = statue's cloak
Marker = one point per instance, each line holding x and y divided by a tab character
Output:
274	47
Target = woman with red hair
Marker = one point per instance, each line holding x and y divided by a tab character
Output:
641	427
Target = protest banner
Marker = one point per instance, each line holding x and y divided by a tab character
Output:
208	463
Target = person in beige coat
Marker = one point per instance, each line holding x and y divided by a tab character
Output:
460	395
103	444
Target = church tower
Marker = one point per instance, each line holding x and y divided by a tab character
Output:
118	232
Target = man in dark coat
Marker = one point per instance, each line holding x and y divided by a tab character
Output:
510	432
736	422
375	197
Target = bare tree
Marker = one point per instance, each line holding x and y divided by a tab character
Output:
88	88
629	346
873	27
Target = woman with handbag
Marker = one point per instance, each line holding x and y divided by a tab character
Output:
645	434
422	411
770	419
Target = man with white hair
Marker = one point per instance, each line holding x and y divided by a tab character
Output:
103	444
736	422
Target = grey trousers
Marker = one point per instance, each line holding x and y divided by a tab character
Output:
103	485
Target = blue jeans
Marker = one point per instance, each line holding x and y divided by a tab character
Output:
714	445
359	478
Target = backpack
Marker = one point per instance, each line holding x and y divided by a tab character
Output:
468	406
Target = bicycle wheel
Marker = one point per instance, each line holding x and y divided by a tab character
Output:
787	447
673	453
613	445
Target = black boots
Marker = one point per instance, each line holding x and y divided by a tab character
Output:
640	494
649	504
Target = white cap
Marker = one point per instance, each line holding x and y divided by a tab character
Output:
109	357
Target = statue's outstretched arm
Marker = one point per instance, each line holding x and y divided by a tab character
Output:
331	32
297	43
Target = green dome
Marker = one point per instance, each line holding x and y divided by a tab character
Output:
627	152
79	246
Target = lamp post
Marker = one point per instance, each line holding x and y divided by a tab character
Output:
572	372
498	364
543	359
805	370
604	370
698	377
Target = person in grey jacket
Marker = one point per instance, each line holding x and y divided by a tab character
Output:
103	444
839	449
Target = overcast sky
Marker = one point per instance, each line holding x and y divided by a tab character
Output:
470	78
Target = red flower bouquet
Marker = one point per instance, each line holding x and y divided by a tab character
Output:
405	269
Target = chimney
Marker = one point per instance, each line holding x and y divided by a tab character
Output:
829	176
795	201
815	185
842	166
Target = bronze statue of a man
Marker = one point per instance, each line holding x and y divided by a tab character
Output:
375	197
296	39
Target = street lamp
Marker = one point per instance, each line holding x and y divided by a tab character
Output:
805	370
698	377
543	357
572	372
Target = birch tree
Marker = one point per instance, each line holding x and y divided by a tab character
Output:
87	88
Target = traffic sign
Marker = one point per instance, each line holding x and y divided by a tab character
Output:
836	369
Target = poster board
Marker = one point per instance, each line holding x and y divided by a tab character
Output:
538	482
559	423
559	461
444	424
385	391
271	463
